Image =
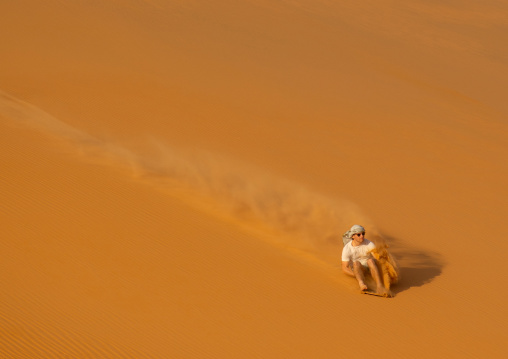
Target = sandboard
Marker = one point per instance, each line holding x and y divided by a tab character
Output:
369	292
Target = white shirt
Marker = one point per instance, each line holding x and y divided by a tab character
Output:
358	253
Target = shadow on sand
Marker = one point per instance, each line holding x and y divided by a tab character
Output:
417	266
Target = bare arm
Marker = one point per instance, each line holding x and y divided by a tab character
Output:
346	269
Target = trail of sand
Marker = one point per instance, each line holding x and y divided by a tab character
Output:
297	218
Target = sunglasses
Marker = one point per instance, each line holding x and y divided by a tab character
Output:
359	234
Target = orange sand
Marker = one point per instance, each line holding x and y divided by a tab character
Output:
176	177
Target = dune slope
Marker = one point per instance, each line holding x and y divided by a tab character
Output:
176	177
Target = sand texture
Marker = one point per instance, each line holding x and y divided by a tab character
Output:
176	177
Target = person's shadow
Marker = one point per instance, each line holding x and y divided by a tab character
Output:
417	266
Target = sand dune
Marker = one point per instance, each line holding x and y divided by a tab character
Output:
176	177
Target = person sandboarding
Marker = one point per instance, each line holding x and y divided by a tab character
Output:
357	260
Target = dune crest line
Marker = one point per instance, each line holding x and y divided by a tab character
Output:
299	217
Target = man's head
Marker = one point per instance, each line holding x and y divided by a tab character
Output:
352	234
357	233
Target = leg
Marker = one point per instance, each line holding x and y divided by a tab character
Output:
387	283
358	270
374	272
